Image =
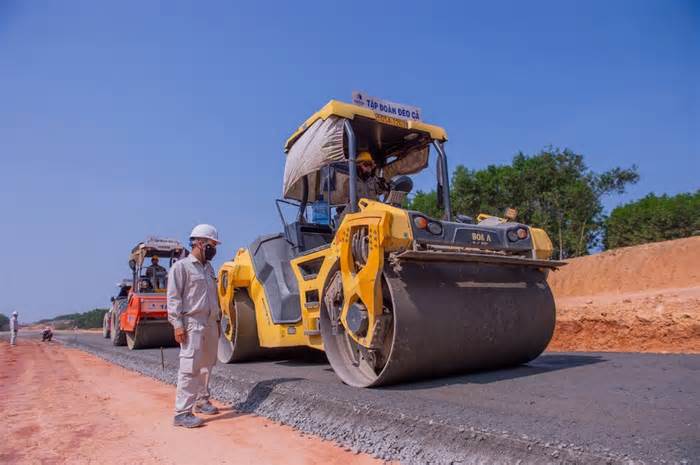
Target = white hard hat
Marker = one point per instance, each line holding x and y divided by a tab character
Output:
205	231
14	313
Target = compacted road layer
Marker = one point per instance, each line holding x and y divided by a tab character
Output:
562	407
64	406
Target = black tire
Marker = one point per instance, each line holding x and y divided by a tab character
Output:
105	325
245	345
117	335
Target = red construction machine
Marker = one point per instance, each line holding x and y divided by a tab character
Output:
145	321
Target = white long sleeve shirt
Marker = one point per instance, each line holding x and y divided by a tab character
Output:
192	293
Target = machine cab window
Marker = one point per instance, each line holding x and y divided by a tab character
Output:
150	262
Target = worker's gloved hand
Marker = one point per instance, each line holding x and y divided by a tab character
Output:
180	335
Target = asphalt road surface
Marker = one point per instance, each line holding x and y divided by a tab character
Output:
639	407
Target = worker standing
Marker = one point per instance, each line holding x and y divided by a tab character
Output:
193	310
14	327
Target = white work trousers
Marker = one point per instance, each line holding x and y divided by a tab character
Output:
13	338
197	359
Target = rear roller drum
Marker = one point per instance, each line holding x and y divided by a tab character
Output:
245	345
441	319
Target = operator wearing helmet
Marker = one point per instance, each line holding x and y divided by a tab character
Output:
369	184
193	310
156	273
14	327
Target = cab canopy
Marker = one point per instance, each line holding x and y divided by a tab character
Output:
156	247
398	146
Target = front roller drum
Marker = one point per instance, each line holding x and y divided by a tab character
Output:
151	334
446	318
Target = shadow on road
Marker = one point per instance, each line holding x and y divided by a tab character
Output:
259	393
225	414
305	359
543	364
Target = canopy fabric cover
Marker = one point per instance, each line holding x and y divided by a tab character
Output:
319	145
156	246
322	144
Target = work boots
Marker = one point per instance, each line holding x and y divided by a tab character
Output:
187	420
206	408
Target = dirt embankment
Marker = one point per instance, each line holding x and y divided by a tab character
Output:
644	298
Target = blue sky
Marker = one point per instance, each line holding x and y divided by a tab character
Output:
124	119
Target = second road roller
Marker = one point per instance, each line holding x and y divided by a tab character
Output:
388	293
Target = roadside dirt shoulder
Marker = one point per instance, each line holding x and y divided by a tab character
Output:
639	299
63	406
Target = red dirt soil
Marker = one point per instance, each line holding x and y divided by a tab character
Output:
63	406
643	299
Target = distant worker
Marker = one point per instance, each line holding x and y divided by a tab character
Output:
193	310
369	184
46	334
14	327
156	273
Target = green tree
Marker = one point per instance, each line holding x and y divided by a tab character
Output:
653	218
86	320
425	202
553	190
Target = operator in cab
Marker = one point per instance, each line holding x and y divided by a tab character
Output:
369	184
156	273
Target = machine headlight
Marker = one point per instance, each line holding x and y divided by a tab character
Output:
420	222
517	234
435	228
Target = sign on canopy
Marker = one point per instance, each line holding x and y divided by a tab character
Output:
385	107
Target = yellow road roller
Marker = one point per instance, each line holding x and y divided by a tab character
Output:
388	293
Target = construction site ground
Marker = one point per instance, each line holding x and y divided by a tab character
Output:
561	408
64	406
620	383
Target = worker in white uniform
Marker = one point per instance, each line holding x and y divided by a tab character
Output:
14	326
193	310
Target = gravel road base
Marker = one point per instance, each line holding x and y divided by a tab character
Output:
361	427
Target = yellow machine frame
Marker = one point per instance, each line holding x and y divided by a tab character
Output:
388	231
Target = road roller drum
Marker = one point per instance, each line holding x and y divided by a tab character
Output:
448	317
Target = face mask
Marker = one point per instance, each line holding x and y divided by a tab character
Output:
364	173
209	252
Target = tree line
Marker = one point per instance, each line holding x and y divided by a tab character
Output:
85	320
556	191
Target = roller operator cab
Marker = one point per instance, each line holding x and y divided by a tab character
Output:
389	294
144	321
